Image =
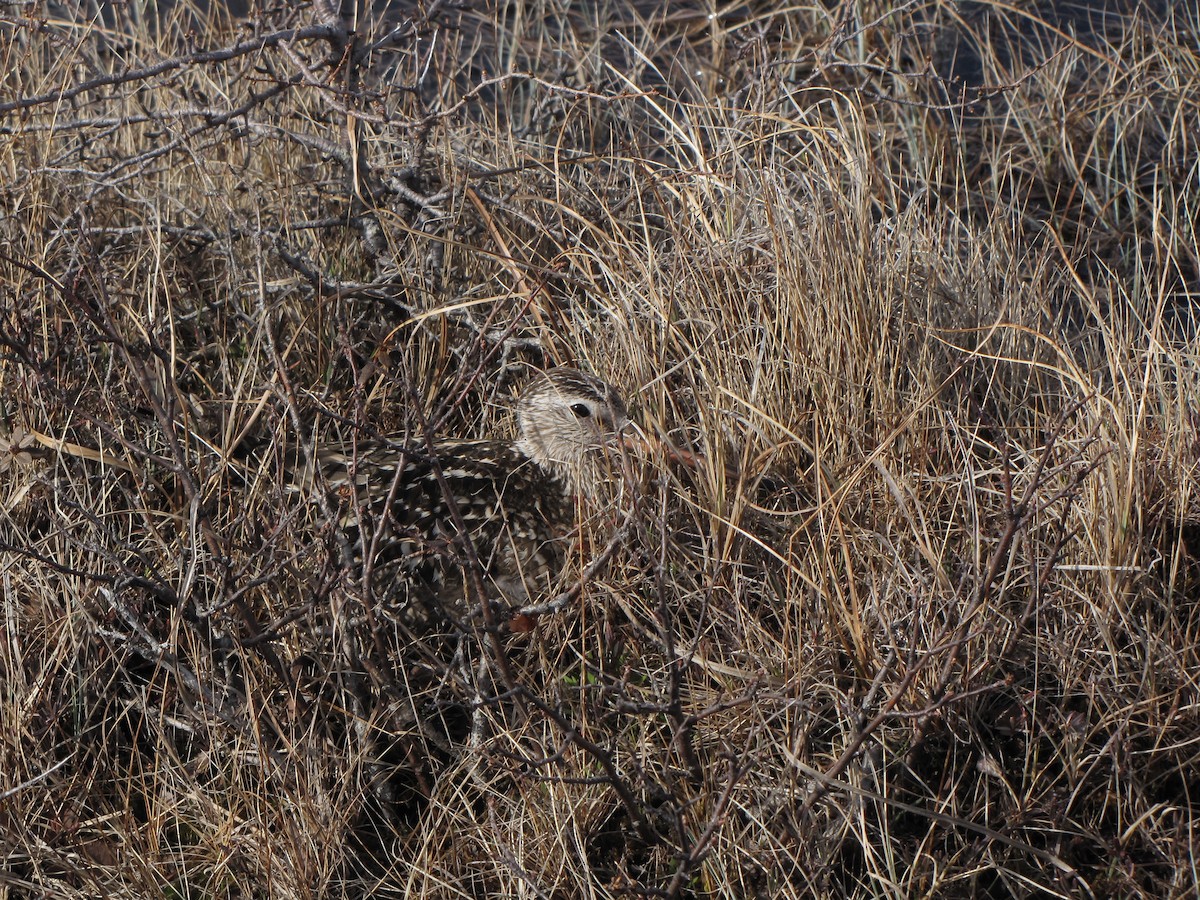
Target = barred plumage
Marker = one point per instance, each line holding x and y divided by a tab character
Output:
516	500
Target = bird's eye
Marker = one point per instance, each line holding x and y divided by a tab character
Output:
581	410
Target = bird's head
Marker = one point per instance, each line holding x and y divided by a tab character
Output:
569	422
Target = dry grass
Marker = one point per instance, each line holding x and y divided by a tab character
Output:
920	621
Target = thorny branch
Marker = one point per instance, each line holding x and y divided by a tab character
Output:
1019	516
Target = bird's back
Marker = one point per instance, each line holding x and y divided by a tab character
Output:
410	523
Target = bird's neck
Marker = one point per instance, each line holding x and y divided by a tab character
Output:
586	474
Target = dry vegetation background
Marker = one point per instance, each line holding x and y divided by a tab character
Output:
917	285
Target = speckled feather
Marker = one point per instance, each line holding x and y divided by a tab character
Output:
517	500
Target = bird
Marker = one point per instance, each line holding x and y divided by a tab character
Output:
428	520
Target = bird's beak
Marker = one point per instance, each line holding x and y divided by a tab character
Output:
634	438
631	437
